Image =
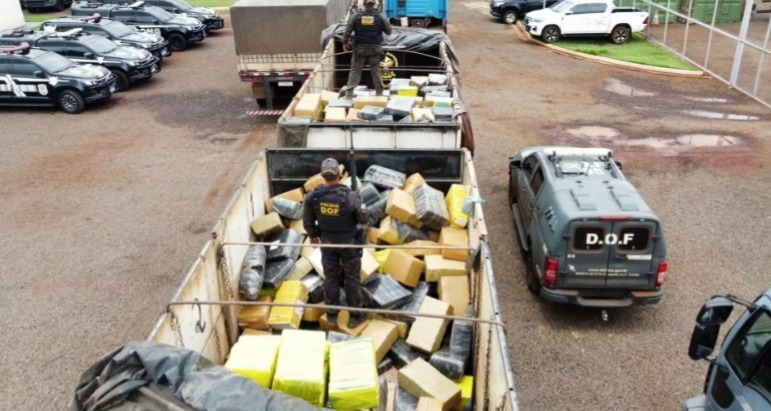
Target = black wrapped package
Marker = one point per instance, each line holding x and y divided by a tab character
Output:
408	232
370	112
405	401
460	336
377	211
288	208
369	194
427	90
449	365
315	285
401	354
344	103
384	291
431	207
385	118
289	236
277	272
400	107
437	79
384	177
384	365
252	273
443	113
334	337
413	305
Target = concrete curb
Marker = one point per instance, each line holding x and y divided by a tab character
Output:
610	62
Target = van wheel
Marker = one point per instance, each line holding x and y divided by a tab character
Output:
123	80
620	34
177	42
550	34
59	5
509	17
71	102
532	281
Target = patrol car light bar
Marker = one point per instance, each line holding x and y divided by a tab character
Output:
578	152
22	48
68	33
136	4
96	17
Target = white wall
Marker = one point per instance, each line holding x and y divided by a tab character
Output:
10	14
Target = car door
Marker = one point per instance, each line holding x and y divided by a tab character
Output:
530	183
574	19
28	82
587	254
79	53
597	18
6	89
630	259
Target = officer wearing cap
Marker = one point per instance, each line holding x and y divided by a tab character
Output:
367	27
330	214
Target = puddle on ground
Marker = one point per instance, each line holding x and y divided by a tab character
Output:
619	87
598	132
715	115
706	99
606	136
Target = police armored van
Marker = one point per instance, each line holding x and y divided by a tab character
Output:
113	30
587	235
35	77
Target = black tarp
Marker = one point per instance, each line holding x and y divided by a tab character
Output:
145	376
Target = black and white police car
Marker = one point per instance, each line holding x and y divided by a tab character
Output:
37	5
180	31
208	17
113	30
129	64
35	77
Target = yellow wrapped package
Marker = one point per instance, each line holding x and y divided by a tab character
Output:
288	317
466	385
353	379
381	257
256	316
254	357
301	369
455	198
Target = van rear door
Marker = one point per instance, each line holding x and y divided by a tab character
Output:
630	265
586	264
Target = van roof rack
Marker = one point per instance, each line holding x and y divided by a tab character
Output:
49	32
22	48
578	152
96	18
16	33
136	4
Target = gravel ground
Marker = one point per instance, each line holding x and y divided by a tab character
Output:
103	212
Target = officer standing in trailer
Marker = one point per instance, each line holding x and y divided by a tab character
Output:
368	27
330	216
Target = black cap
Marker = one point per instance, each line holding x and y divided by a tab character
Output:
330	169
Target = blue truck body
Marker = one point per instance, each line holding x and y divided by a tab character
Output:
417	9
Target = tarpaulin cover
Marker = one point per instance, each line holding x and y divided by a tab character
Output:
136	376
404	39
353	378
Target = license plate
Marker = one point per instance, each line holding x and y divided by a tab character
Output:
285	84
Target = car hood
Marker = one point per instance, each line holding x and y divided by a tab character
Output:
542	14
129	53
141	37
85	71
201	11
184	20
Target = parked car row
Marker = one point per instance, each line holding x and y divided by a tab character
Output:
74	60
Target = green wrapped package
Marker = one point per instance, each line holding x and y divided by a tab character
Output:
353	379
254	357
301	369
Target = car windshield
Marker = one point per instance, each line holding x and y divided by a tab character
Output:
181	5
53	62
160	14
562	6
118	29
100	44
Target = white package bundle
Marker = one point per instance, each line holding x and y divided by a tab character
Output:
437	79
384	177
431	207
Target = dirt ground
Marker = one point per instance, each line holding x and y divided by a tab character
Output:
102	213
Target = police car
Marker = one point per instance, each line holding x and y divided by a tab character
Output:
208	17
35	5
113	30
180	31
129	64
35	77
588	236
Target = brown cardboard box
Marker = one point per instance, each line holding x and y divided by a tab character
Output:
391	391
302	267
313	314
297	195
297	225
420	379
334	115
433	236
313	182
387	231
308	106
383	335
438	266
361	101
426	333
255	316
307	252
401	206
342	324
327	96
267	224
372	236
414	181
369	265
353	116
454	237
454	291
249	331
421	252
429	404
404	267
401	326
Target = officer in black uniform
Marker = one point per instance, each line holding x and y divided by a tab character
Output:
368	27
331	213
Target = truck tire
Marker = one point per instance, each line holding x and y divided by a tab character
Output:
177	42
620	34
509	17
71	102
123	80
550	34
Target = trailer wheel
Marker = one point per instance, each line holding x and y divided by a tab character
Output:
509	17
177	42
550	34
620	34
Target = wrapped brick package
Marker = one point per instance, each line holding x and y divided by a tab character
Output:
401	206
384	177
401	326
301	369
250	283
255	258
438	93
377	210
404	267
335	337
385	292
456	195
400	107
353	378
466	385
267	224
291	292
384	365
438	267
419	293
461	335
419	81
298	226
387	232
369	265
369	194
422	252
254	357
277	272
297	195
401	354
426	333
449	365
370	112
454	290
443	113
398	82
288	208
455	237
429	404
437	79
360	102
255	317
383	334
431	207
301	268
414	181
406	232
385	118
313	314
420	379
288	236
430	89
405	401
315	285
340	103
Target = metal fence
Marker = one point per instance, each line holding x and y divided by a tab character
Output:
737	52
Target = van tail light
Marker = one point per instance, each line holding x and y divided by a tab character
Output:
662	275
645	22
550	273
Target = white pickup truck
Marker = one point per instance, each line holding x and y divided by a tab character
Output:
586	18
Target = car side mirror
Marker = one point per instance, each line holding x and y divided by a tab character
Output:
619	165
705	333
38	74
715	311
176	11
88	55
516	164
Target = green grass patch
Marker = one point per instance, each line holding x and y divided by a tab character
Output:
637	50
211	3
39	18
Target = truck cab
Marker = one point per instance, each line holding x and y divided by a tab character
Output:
587	235
739	378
